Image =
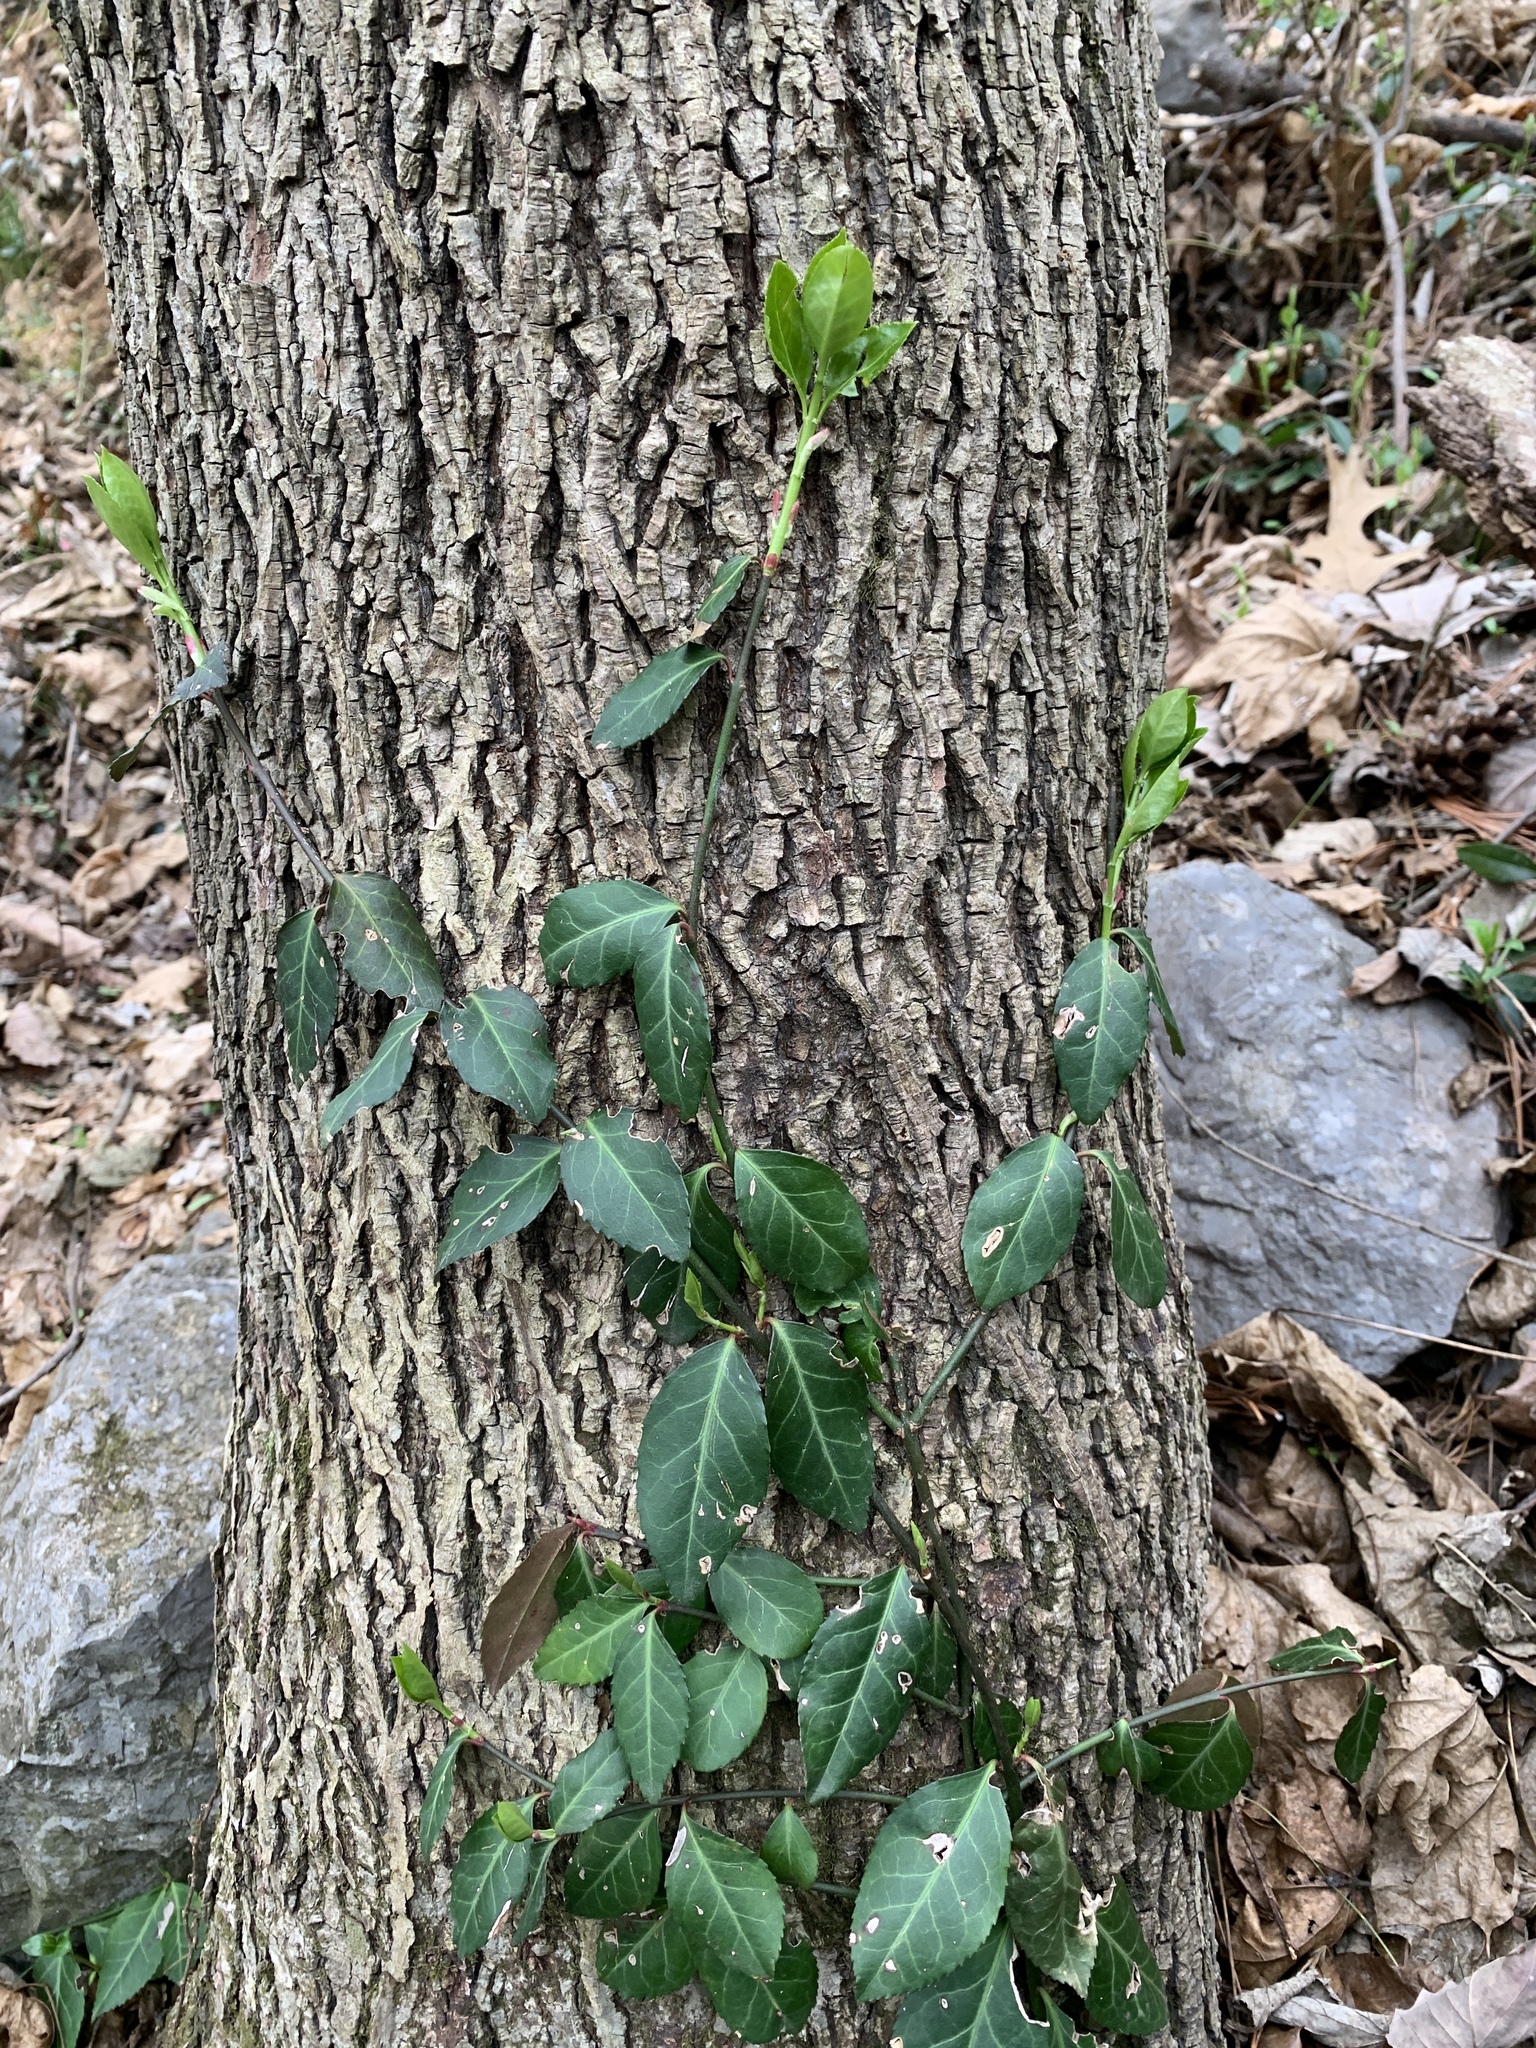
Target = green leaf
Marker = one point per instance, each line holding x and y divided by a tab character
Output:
211	673
414	1679
532	1908
679	1629
655	1286
128	516
727	1699
703	1466
513	1820
838	292
1135	1247
645	1959
1496	862
1164	734
383	1077
438	1797
1337	1649
307	981
55	1965
1125	1751
662	687
1357	1739
1153	803
818	1424
579	1649
127	1948
1050	1910
727	581
1021	1220
975	2006
784	323
1059	2030
498	1194
119	765
939	1660
614	1867
727	1897
856	1680
801	1220
594	934
981	1728
881	345
489	1875
767	1603
577	1582
498	1041
589	1786
1099	1029
1155	988
1205	1763
1126	1987
672	1011
626	1187
386	948
650	1702
933	1885
789	1851
713	1234
760	2010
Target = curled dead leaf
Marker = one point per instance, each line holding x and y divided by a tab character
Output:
1281	662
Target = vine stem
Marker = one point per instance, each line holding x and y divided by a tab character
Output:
701	1796
949	1368
473	1736
744	1322
275	796
723	745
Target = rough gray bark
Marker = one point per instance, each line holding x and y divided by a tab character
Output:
441	347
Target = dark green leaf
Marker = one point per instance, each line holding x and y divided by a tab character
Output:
498	1041
1021	1220
661	688
672	1011
525	1610
438	1797
982	1732
881	346
801	1220
383	1077
578	1581
1059	2030
579	1649
726	1897
1155	988
307	981
385	946
489	1875
1050	1910
818	1424
786	1672
1337	1649
789	1851
758	2009
784	322
1496	862
1357	1739
650	1702
726	583
414	1679
932	1887
836	297
1099	1029
679	1629
626	1187
1126	1988
714	1237
127	1947
936	1666
119	765
766	1602
976	2006
1136	1249
128	515
532	1909
593	934
1205	1763
1125	1751
856	1680
211	673
498	1194
57	1968
614	1867
703	1466
727	1698
655	1286
645	1958
589	1787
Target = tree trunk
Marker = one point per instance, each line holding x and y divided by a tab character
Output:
442	354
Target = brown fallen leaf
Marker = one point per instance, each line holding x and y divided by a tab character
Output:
523	1612
1285	1840
1341	557
25	2021
1365	1980
34	921
1303	1503
1514	1407
163	988
1493	2008
32	1036
1504	1296
1282	664
1386	979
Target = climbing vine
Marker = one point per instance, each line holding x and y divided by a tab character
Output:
755	1264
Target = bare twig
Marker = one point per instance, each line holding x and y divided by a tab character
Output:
50	1364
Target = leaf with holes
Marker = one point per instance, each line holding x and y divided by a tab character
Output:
307	981
975	2006
761	2009
784	322
488	1877
856	1680
385	948
1357	1739
1135	1247
498	1041
645	1958
655	1286
628	1188
836	296
650	1702
1125	1751
801	1220
1052	1914
703	1466
211	673
672	1011
383	1077
789	1851
594	934
54	1964
524	1611
1336	1651
1155	988
818	1423
727	1897
590	1786
1022	1219
1126	1987
438	1797
767	1603
662	687
615	1867
579	1649
1205	1763
933	1885
1100	1028
499	1194
723	587
727	1699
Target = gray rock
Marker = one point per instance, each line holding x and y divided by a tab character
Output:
108	1514
1281	1062
1188	31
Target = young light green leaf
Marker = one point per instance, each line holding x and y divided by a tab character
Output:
724	586
126	1948
1164	734
1357	1739
488	1877
645	1958
438	1797
125	509
628	1188
650	1702
615	1867
1126	1987
1205	1763
881	345
1153	802
1338	1649
976	2006
498	1194
307	982
54	1964
784	323
727	1699
703	1466
672	1011
589	1787
818	1423
838	292
1051	1912
727	1897
512	1817
766	1602
532	1909
524	1610
498	1040
593	934
580	1648
856	1679
1021	1220
1125	1751
383	1077
801	1220
789	1851
760	2009
1155	988
414	1679
1135	1247
662	687
385	947
1100	1028
1496	862
932	1886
